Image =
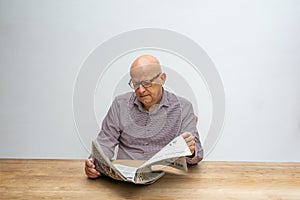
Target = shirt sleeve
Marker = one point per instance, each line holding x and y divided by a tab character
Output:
110	130
189	124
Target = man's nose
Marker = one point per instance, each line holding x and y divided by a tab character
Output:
141	88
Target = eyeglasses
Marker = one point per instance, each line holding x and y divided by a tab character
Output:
145	84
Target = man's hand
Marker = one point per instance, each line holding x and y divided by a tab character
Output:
90	169
190	141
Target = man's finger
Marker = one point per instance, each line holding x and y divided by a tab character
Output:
90	163
190	139
192	149
192	142
92	175
186	135
91	172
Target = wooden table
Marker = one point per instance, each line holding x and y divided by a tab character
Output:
65	179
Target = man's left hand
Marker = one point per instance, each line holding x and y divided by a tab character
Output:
190	141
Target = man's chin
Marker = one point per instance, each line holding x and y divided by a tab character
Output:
146	102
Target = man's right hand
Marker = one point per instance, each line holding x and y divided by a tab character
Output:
90	169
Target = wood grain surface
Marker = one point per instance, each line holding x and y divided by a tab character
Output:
65	179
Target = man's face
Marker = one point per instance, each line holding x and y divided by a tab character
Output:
150	95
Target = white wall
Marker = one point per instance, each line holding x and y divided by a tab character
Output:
255	46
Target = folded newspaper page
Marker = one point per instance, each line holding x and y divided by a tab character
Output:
171	156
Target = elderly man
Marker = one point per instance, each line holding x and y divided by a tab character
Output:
144	121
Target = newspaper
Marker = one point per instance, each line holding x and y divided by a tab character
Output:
170	158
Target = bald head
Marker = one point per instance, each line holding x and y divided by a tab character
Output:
144	67
144	60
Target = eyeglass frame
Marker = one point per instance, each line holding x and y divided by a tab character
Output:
145	84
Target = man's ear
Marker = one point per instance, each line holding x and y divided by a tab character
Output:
163	77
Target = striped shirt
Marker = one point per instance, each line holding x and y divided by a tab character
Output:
140	133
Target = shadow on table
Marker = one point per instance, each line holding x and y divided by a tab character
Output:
166	187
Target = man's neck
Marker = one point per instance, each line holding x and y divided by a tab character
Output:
151	108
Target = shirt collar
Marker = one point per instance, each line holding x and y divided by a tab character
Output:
164	100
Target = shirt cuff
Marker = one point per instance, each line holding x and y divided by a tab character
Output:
195	158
